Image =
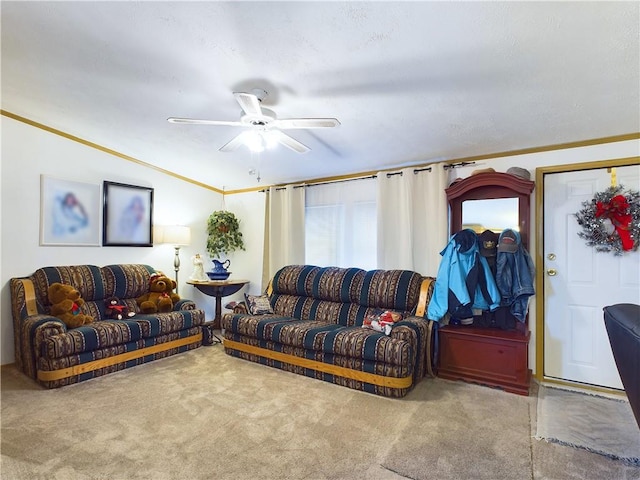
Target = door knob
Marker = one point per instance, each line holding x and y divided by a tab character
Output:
552	272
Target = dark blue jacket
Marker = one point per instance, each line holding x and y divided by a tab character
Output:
514	275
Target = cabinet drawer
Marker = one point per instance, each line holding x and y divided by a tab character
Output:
495	358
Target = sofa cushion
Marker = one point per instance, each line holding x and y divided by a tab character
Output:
91	337
126	280
295	280
109	333
386	289
307	308
391	289
338	284
87	279
162	323
331	338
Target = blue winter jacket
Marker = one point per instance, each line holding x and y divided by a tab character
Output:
514	275
464	280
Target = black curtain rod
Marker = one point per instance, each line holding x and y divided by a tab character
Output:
415	170
459	164
428	169
303	185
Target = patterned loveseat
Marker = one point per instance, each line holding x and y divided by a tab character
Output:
55	356
316	328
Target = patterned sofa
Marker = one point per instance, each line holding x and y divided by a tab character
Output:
316	328
48	352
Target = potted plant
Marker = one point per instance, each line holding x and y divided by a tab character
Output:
224	234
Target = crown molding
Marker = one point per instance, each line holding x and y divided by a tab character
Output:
489	156
107	150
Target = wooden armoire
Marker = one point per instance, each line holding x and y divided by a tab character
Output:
486	355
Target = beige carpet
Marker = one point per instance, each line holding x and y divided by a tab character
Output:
205	415
467	422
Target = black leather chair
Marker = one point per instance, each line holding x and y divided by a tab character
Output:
623	327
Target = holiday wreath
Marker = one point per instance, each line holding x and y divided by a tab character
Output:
610	221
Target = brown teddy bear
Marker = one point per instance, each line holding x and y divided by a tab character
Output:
160	297
65	304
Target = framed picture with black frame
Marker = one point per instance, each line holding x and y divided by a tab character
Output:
127	215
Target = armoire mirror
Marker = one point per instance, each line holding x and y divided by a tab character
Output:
495	214
492	201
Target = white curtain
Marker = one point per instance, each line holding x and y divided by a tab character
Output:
412	219
285	227
395	219
340	224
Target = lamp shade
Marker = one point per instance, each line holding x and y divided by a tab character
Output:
158	234
177	235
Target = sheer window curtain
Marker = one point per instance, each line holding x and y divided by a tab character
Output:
412	219
284	235
341	224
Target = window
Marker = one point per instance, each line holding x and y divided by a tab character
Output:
340	224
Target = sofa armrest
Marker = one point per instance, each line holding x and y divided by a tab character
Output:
184	304
240	307
426	292
43	323
34	331
423	328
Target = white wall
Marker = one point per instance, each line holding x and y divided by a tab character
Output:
247	264
28	152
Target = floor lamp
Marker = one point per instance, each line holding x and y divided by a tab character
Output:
178	236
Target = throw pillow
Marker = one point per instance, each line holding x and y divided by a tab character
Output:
258	304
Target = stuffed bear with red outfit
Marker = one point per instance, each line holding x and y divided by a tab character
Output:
66	303
160	297
115	309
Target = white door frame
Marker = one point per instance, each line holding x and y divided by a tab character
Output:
539	254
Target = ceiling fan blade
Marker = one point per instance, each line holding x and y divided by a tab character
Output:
193	121
288	141
290	123
249	103
234	143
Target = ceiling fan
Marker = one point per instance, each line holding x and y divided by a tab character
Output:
264	126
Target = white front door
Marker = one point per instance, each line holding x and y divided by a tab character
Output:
579	281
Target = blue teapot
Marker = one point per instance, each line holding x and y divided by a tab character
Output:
220	270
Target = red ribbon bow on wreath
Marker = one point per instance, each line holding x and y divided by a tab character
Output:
617	211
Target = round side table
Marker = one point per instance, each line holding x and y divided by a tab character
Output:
219	289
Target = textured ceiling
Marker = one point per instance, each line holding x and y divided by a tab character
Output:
410	82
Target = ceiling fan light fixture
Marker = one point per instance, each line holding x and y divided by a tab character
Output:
255	142
270	139
260	140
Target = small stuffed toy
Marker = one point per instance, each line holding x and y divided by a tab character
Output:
66	303
382	323
160	297
115	309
